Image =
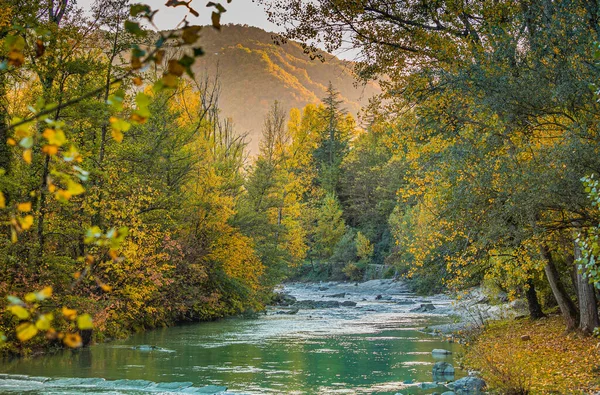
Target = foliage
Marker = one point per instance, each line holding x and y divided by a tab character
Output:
589	243
551	362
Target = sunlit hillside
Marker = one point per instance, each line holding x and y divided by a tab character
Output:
254	72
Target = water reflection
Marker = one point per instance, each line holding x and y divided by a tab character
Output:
346	350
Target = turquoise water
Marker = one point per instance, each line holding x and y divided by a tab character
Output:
374	347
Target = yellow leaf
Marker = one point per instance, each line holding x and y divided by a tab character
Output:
72	340
170	80
50	149
69	314
105	287
74	188
117	135
30	297
24	207
26	222
2	200
63	195
20	311
85	322
44	293
11	141
137	81
26	331
43	323
27	156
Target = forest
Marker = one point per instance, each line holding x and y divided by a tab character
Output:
129	201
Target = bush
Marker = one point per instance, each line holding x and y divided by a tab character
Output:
353	272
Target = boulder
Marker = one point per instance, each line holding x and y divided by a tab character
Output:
289	312
210	389
405	302
378	297
469	385
323	288
281	299
348	303
423	308
442	371
439	351
317	304
428	386
340	295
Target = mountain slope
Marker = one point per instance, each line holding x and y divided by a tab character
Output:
254	72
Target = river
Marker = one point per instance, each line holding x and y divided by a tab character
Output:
375	347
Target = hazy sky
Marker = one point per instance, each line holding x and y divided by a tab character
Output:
238	11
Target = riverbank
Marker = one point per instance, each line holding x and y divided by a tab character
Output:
535	357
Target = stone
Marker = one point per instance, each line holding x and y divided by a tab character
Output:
323	288
289	312
317	304
378	297
469	385
340	295
211	389
428	386
439	351
442	371
405	302
281	299
348	303
423	308
525	338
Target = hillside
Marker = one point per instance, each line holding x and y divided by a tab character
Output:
254	72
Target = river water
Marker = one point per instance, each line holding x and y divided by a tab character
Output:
375	347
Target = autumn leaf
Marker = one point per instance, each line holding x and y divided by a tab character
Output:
24	207
21	312
26	331
72	340
27	156
69	314
84	322
44	322
26	222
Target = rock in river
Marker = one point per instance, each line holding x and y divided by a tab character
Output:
289	312
469	385
340	295
281	299
439	351
317	304
443	371
423	308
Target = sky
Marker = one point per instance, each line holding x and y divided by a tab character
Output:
238	11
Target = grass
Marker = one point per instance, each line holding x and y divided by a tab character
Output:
551	362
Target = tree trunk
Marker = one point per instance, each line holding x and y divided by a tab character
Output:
586	294
566	305
535	309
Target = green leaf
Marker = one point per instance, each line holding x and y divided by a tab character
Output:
26	142
142	100
137	9
134	28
